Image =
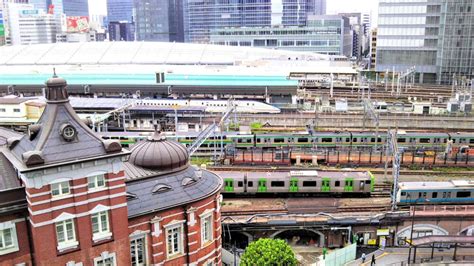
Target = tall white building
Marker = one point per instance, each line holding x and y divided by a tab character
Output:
31	26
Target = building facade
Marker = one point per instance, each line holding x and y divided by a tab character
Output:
432	35
120	10
31	26
373	49
201	17
71	8
329	34
121	31
159	20
98	204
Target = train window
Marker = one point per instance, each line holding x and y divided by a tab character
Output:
463	194
434	195
279	140
424	140
444	195
354	139
367	181
372	139
379	139
250	184
462	141
302	139
471	141
337	183
309	184
326	140
404	193
424	194
348	140
240	184
259	140
401	140
239	140
278	183
449	195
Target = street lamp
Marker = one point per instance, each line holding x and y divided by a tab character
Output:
413	225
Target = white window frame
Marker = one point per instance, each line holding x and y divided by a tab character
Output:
93	182
13	247
145	251
106	256
59	186
169	228
67	243
101	234
207	236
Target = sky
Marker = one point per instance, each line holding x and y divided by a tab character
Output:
333	7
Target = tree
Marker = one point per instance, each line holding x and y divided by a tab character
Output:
266	251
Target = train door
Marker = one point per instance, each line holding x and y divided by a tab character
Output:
262	185
228	185
349	185
326	184
294	185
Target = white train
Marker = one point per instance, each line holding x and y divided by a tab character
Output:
214	106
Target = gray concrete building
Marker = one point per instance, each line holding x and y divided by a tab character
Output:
435	36
328	34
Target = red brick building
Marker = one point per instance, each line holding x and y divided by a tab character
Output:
71	198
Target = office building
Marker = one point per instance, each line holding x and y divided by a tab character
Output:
434	36
373	49
40	4
71	8
328	34
121	31
159	20
120	10
31	26
203	16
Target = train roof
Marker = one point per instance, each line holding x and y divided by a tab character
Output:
339	174
436	185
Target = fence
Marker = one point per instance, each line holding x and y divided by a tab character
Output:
339	257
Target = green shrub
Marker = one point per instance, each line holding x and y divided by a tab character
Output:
266	251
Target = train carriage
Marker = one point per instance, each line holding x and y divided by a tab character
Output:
298	182
449	192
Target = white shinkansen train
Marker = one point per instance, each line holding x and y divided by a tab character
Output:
214	106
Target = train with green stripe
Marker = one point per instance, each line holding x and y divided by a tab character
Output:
335	139
298	182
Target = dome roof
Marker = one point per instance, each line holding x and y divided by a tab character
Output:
159	153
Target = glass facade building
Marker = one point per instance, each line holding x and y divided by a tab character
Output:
40	4
71	8
159	20
435	36
120	10
323	34
203	16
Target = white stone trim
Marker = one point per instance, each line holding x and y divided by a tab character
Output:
213	253
174	223
156	226
106	255
76	215
75	204
157	254
99	208
63	217
164	217
157	244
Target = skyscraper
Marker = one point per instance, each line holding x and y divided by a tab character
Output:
434	36
71	7
159	20
203	16
40	4
120	10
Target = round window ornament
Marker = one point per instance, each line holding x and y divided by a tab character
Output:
68	132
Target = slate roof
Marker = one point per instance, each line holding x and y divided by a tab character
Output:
6	133
8	177
146	201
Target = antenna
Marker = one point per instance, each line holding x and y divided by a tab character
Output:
54	73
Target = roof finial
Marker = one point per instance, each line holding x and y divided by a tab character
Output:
54	73
156	136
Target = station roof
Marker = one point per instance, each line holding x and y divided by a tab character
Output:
443	239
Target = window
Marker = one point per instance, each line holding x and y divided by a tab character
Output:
278	183
105	261
174	242
206	229
424	140
59	189
16	110
309	183
240	183
463	194
65	234
3	110
434	195
8	240
337	183
326	140
404	193
100	225
137	252
250	184
96	181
